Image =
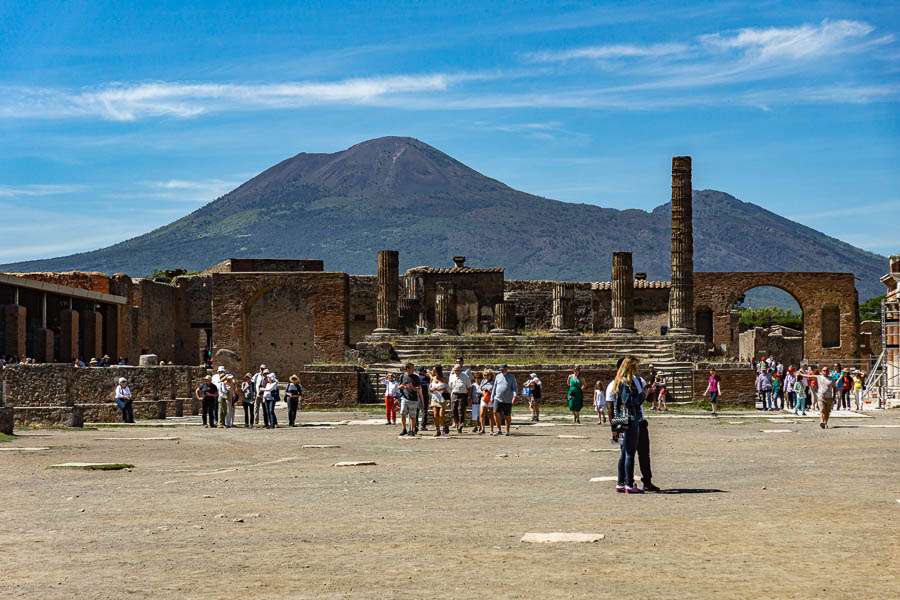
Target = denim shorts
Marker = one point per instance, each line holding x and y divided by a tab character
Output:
713	396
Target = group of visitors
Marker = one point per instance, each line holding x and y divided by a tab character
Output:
257	393
820	388
418	391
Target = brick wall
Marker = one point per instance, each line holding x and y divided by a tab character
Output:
534	303
363	317
738	383
83	280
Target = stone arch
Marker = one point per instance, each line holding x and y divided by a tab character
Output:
812	291
279	329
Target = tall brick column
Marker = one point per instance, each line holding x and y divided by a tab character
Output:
14	324
387	313
681	296
622	294
504	319
445	309
91	335
563	320
68	335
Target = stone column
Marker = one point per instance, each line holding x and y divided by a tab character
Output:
91	335
445	309
68	335
43	345
563	321
504	319
14	324
387	313
681	296
622	294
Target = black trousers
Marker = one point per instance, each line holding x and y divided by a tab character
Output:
248	414
643	452
209	409
293	403
425	409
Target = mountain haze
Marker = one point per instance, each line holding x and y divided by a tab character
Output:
403	194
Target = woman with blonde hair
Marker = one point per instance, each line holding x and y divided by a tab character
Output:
629	395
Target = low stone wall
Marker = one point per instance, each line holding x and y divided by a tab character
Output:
65	385
45	416
738	383
334	389
109	412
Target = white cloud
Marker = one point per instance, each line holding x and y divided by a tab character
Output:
791	43
13	191
612	51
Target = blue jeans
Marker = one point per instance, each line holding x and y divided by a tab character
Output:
269	407
127	411
766	397
626	456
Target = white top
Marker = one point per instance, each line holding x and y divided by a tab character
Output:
460	384
123	392
599	399
611	397
436	388
391	388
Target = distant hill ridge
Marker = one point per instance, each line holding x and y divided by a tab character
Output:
398	192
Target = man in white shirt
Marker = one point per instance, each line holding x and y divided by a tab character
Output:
221	384
259	384
460	383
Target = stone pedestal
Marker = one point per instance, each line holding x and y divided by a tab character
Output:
43	345
445	309
14	324
91	335
68	335
681	295
387	313
148	360
622	294
504	319
563	320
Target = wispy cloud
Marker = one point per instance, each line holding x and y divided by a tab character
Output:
850	211
609	52
24	191
542	130
127	102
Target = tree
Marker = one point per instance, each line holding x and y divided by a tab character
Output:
768	316
870	310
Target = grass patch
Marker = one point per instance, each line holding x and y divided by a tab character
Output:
6	438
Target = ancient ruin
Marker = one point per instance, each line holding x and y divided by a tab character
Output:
339	331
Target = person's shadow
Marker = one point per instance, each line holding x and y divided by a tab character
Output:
691	491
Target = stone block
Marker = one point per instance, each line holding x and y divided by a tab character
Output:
6	421
46	416
148	360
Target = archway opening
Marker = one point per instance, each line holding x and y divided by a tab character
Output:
770	323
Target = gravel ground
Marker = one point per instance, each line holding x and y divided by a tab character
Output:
253	514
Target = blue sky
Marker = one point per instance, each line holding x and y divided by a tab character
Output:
116	118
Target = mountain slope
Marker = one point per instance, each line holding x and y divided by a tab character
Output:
402	193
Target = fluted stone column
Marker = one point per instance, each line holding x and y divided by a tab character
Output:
68	335
504	319
91	335
445	309
563	320
681	295
622	294
14	324
387	313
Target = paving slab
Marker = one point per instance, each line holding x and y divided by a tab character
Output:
559	538
132	439
572	437
89	465
355	463
320	446
616	449
605	478
777	430
34	449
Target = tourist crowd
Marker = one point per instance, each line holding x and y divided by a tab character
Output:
817	387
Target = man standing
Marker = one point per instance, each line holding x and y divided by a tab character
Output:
221	384
207	393
259	384
504	396
825	392
643	448
411	388
424	382
467	371
460	388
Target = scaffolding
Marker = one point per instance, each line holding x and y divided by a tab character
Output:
883	382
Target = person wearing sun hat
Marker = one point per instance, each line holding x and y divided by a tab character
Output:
292	394
123	400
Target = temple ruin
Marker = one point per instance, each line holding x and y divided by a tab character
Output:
295	316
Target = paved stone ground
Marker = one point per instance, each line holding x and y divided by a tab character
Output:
253	514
